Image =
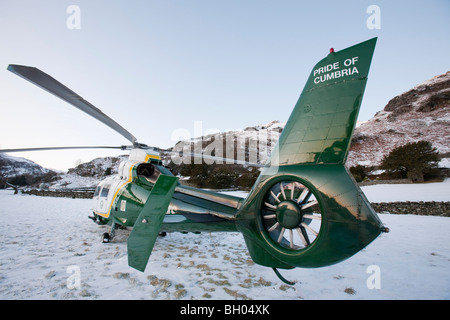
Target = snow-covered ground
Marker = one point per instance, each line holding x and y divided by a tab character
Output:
408	192
49	249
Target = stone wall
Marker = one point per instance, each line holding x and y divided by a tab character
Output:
60	193
433	208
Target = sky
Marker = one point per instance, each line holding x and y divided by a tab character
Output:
160	67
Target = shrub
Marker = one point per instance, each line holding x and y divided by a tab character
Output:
411	161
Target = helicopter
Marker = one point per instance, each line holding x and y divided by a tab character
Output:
304	210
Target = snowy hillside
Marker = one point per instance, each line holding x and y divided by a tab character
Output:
89	174
252	144
15	166
422	113
49	249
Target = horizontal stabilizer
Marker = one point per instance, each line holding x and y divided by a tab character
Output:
146	229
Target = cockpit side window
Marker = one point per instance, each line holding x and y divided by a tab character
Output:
97	191
105	190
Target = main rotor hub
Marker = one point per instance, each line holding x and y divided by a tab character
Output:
288	214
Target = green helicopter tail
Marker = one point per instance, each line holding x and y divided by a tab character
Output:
305	181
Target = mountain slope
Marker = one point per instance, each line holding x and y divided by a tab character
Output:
422	113
15	166
22	172
89	174
253	144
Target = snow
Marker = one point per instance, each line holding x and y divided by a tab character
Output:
73	181
444	163
17	166
48	243
432	81
407	118
438	191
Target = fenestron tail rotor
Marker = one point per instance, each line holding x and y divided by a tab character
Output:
291	215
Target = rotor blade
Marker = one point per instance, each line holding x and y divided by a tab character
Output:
65	148
182	154
46	82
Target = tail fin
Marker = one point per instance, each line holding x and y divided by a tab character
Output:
146	228
305	210
319	129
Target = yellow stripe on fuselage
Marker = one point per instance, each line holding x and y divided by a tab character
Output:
152	156
130	178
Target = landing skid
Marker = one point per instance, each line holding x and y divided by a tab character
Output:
108	237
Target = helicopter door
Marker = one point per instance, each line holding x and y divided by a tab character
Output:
102	200
106	196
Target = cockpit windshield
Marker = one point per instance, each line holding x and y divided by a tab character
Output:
105	190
